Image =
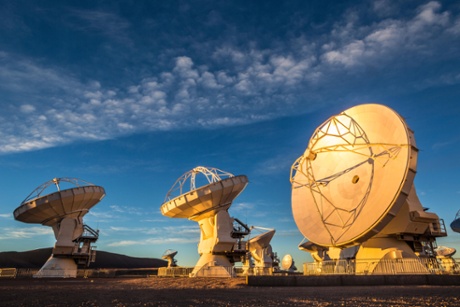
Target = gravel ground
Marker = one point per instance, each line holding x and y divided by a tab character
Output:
158	291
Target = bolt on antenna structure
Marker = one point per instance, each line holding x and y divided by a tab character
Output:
63	210
353	195
204	195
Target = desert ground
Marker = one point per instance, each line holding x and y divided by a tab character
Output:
158	291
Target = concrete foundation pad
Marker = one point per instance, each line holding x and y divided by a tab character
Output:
351	280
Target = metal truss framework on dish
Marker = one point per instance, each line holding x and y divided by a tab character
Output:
221	239
353	196
63	210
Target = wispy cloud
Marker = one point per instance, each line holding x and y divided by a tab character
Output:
102	22
237	84
242	207
168	230
445	143
157	220
354	45
22	233
160	235
153	241
5	215
275	165
100	216
118	212
130	210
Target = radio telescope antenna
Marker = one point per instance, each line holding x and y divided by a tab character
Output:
169	256
355	180
444	254
208	205
445	251
63	210
288	264
261	251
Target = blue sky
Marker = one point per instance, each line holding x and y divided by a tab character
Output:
130	95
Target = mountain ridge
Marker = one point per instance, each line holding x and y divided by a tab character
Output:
104	260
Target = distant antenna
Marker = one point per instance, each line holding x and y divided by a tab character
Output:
287	263
208	206
169	255
63	211
445	251
444	255
261	251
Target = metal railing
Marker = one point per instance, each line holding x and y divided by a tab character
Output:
447	266
174	272
382	267
81	273
234	271
26	272
8	272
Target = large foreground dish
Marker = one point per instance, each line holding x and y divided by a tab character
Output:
354	176
354	186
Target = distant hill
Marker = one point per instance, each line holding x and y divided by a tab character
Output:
104	260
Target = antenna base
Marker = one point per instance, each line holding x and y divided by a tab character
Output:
58	268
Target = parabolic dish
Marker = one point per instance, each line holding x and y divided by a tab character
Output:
206	200
354	176
261	241
169	253
52	208
445	251
286	262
